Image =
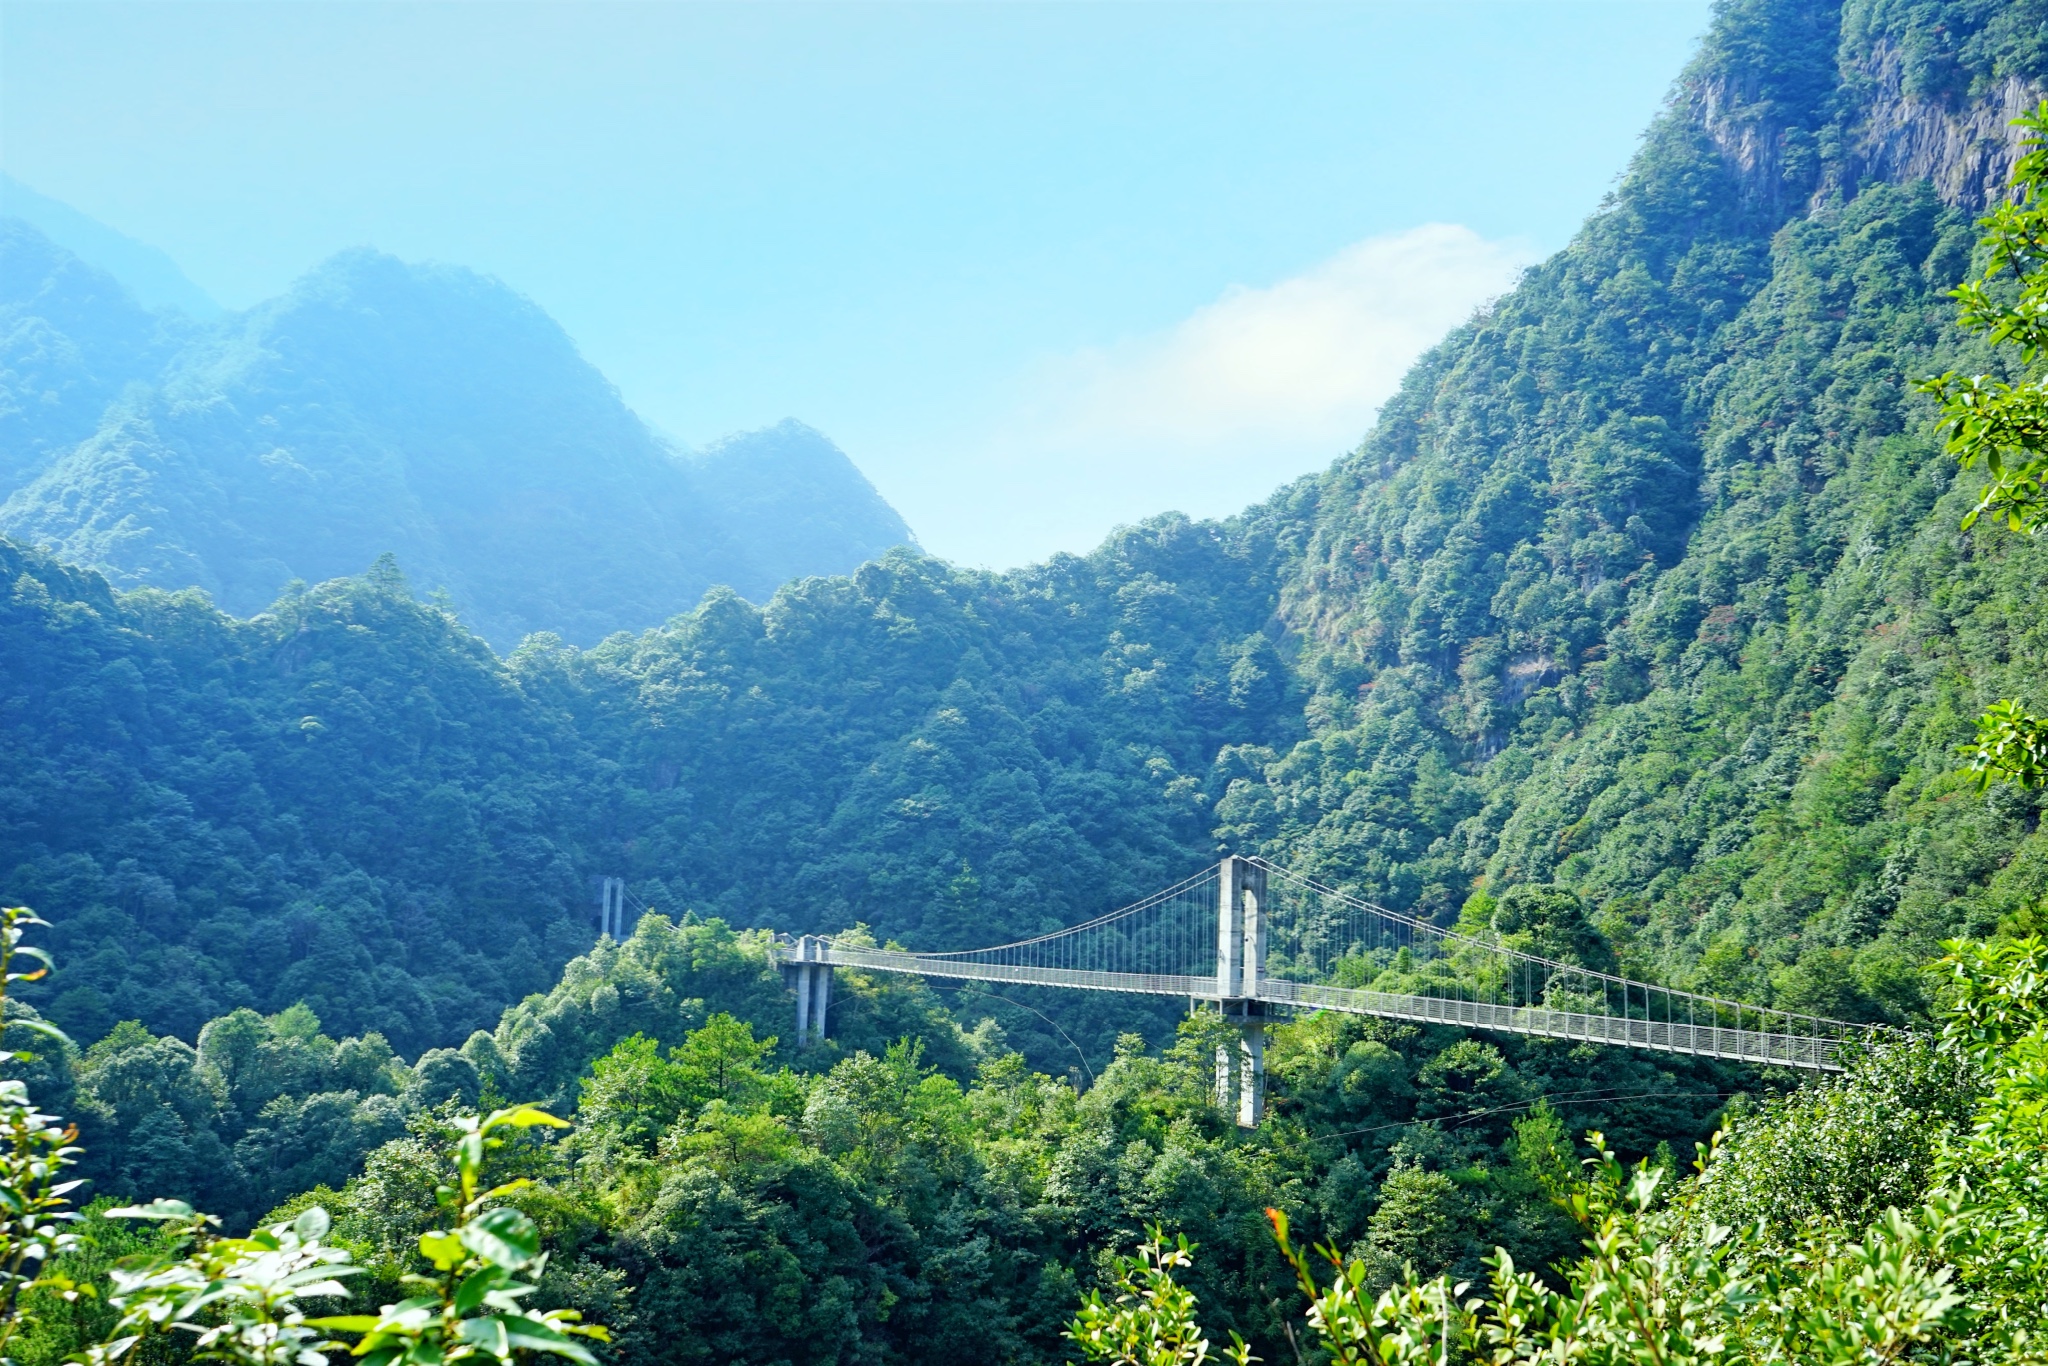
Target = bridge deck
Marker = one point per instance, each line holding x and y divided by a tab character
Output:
1705	1040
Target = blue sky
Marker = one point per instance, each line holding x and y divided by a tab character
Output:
1039	268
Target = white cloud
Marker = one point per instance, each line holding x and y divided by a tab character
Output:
1247	392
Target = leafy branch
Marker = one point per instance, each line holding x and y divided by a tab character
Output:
491	1258
242	1298
2001	425
35	1218
1151	1319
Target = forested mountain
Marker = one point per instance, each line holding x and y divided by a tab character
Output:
1642	620
1650	581
71	339
1633	588
354	782
377	408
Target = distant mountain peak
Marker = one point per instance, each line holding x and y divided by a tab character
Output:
429	411
150	275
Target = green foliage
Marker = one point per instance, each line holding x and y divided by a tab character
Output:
1151	1319
1638	634
35	1151
1991	422
471	1302
1999	1171
1837	1149
1954	1271
1645	589
1643	1293
240	1298
2003	426
632	1094
318	802
2011	745
261	1109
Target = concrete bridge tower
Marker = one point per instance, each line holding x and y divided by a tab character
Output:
1240	966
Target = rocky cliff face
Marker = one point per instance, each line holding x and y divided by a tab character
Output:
1966	150
1761	90
1815	100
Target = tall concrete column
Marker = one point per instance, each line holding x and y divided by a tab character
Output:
1229	932
1251	1075
1241	920
1251	897
803	991
820	998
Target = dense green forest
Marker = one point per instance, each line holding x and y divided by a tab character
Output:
1648	583
1644	622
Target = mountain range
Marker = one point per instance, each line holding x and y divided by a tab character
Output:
1648	586
1641	634
381	408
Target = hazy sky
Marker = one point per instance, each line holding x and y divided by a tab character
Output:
1039	268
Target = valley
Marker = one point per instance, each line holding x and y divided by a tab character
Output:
350	645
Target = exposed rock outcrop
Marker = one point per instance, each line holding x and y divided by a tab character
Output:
1966	152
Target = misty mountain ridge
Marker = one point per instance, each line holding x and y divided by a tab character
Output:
146	272
377	407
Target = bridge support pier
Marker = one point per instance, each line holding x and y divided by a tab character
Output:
1240	969
1251	1075
812	982
611	913
821	998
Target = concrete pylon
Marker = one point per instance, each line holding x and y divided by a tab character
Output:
1251	1075
1240	970
812	981
1229	933
803	991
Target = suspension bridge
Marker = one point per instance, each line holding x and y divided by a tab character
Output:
1256	941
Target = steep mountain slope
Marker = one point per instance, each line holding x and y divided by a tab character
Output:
152	277
71	338
1650	581
433	414
781	494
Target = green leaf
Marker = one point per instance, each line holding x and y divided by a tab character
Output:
489	1334
312	1225
523	1117
444	1250
42	1027
344	1323
522	1183
504	1236
480	1283
518	1332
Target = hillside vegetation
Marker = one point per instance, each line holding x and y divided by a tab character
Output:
1645	624
1649	583
378	407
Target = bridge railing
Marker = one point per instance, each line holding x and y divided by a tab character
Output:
1257	935
1325	937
